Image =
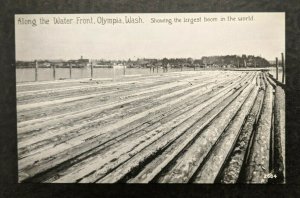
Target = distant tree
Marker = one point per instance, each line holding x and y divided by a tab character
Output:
165	61
190	60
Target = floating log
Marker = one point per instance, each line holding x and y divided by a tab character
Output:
141	129
53	72
230	173
70	71
36	70
217	157
276	68
283	68
188	163
279	135
257	168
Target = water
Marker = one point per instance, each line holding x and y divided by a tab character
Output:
46	74
273	72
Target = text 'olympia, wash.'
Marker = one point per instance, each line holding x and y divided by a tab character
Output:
98	20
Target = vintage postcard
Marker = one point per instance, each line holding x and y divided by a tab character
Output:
151	98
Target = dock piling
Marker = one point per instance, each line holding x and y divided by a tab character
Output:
53	72
36	70
70	70
114	73
92	70
276	68
283	68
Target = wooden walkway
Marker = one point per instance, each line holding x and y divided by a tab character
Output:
180	127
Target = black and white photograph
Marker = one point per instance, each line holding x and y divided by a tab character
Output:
151	98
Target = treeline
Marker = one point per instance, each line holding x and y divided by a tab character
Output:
238	61
205	61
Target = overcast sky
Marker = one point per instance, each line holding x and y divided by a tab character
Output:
264	36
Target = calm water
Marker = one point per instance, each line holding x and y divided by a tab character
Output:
273	72
44	74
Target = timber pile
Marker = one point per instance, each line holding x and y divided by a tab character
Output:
196	127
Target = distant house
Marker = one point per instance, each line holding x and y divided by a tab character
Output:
102	63
25	64
129	64
78	63
72	63
186	65
83	62
44	63
158	64
57	63
197	65
142	63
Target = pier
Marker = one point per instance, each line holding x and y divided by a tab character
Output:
177	127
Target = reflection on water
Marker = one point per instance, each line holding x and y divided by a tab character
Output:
28	74
273	72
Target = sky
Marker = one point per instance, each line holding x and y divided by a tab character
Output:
264	36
